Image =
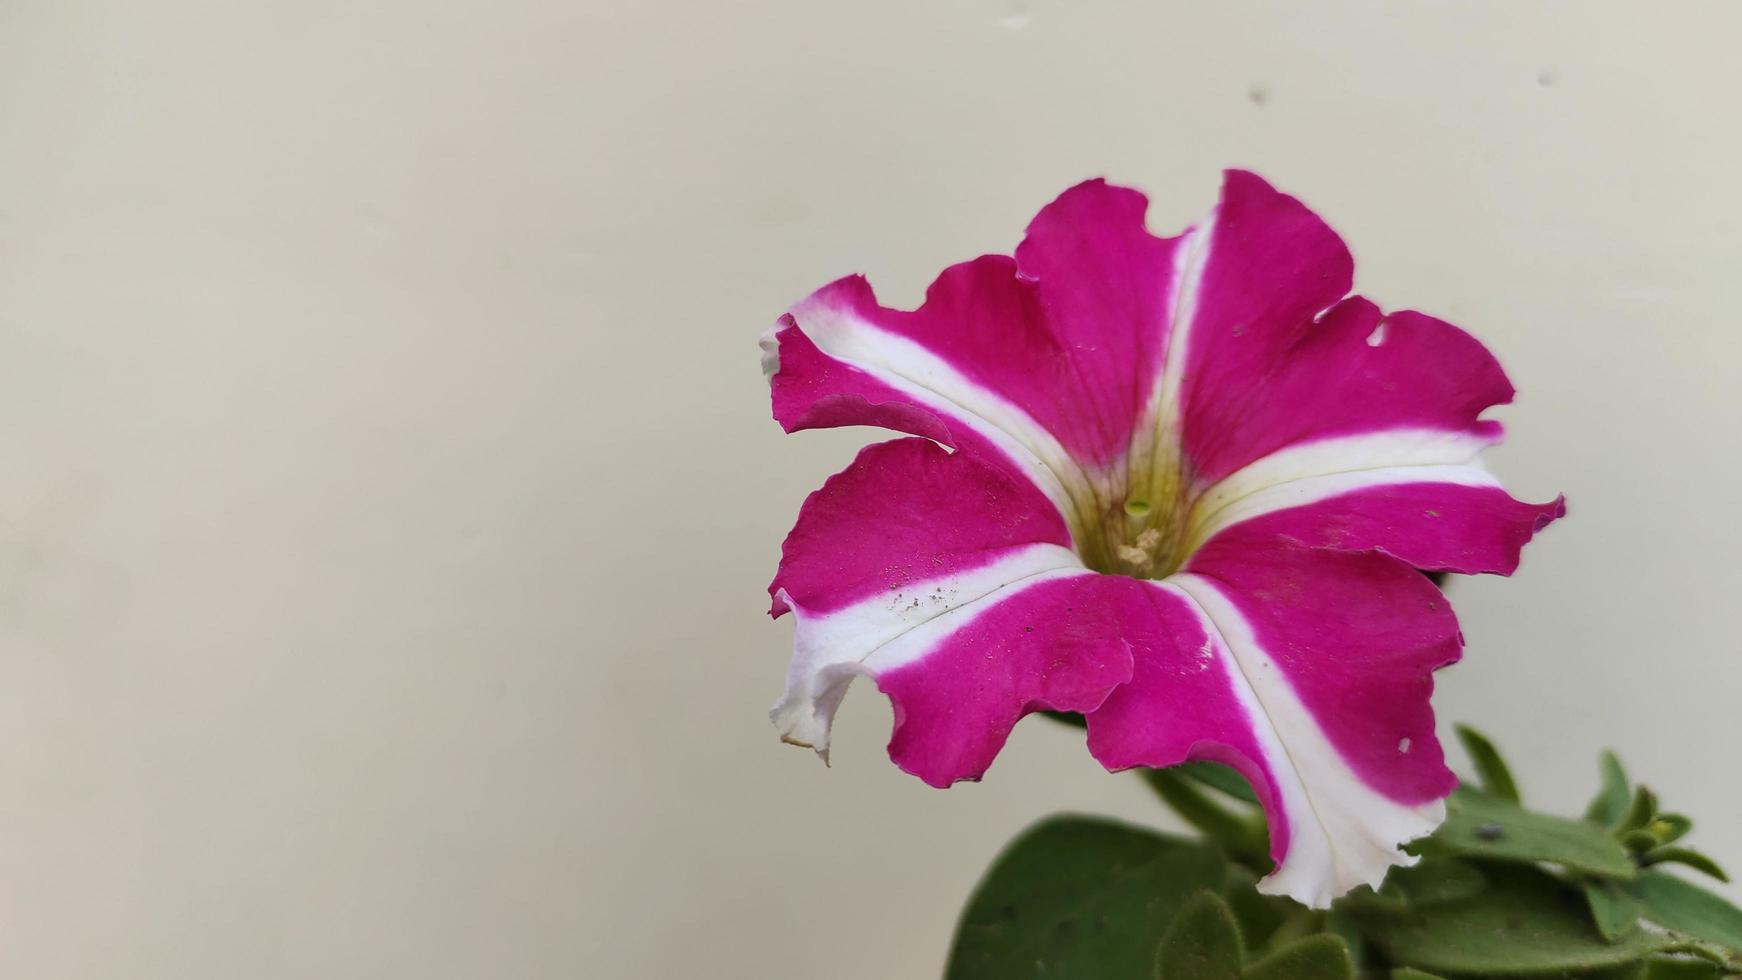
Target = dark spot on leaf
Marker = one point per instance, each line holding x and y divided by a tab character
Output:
1490	831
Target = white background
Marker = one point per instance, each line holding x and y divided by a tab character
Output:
387	490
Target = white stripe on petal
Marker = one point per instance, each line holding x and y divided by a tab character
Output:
929	380
1342	833
830	649
1308	472
1155	443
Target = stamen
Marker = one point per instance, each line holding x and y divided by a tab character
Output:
1137	558
1140	554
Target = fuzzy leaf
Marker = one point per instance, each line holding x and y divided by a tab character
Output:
1320	957
1433	880
1683	907
1081	898
1613	911
1203	943
1491	769
1259	916
1482	826
1526	922
1666	969
1341	924
1611	801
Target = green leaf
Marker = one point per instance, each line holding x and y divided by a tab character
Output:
1432	880
1639	840
1664	969
1301	923
1220	777
1639	812
1490	767
1482	826
1341	924
1525	922
1243	835
1688	856
1411	973
1320	957
1203	943
1259	916
1070	718
1681	906
1613	911
1611	802
1081	898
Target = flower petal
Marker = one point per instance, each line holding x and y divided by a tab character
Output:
1436	518
1309	672
1272	353
903	512
832	368
913	566
1044	363
963	680
1107	288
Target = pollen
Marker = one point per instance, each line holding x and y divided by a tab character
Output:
1141	553
1136	557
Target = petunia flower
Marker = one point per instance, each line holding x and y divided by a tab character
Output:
1185	486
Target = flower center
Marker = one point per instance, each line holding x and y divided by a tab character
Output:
1146	534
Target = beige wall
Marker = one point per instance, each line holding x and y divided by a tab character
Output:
387	490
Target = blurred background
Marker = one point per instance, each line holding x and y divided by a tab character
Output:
387	489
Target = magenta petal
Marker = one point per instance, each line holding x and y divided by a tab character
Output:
1185	703
1450	527
895	555
811	390
1309	672
906	512
1067	337
830	365
1107	289
1268	266
1276	354
1054	644
1358	637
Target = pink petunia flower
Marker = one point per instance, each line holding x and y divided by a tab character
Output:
1181	485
